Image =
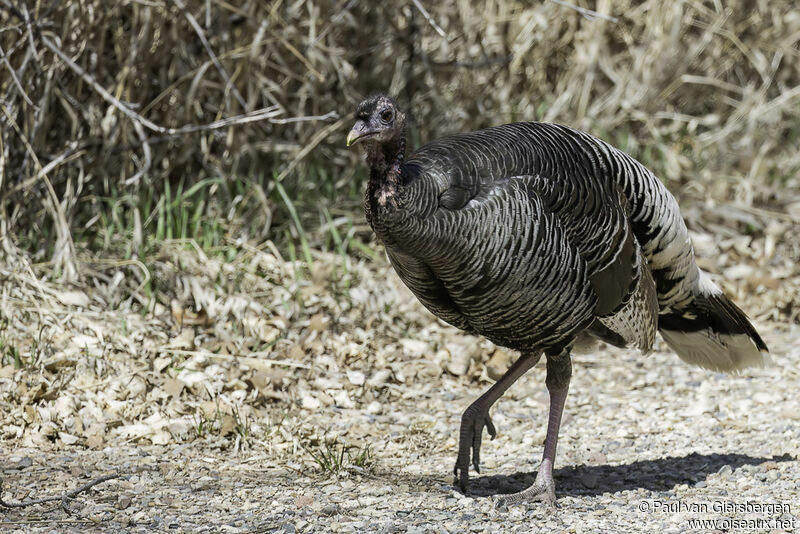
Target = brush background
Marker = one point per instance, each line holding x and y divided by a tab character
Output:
705	93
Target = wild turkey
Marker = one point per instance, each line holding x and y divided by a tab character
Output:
538	237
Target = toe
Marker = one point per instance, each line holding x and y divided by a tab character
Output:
538	492
490	426
464	480
476	451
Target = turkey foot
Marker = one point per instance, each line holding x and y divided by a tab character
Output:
543	489
472	424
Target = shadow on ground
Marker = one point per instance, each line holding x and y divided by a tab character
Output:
653	475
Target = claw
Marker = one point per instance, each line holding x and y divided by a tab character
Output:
463	480
490	427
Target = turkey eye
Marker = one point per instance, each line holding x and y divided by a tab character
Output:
386	115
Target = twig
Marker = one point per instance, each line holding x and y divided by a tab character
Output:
65	498
296	53
201	34
75	151
428	17
30	34
65	248
148	159
587	13
335	19
328	115
769	214
253	116
15	79
48	522
258	363
317	139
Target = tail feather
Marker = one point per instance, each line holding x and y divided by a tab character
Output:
713	332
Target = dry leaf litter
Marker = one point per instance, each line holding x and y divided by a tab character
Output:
213	408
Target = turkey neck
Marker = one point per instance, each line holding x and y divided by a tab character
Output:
385	184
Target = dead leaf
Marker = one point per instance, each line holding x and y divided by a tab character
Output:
228	425
260	379
159	364
498	364
95	441
173	387
303	500
59	364
184	340
356	378
318	322
188	317
297	353
68	439
209	408
123	502
73	298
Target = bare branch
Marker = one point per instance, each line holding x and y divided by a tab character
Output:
65	249
30	34
74	151
4	57
257	115
317	139
148	159
65	498
329	115
428	17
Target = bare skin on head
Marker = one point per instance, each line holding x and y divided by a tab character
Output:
380	129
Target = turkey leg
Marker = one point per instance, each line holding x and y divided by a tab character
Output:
559	371
476	416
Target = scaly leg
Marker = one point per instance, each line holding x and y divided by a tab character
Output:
559	371
476	416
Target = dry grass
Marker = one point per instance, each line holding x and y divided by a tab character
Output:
107	108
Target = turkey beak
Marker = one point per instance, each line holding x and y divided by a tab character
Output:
359	130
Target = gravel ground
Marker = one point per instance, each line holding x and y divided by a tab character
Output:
641	437
213	410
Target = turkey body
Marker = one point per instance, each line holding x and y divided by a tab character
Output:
536	235
541	238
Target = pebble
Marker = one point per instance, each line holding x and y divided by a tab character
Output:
329	509
356	378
